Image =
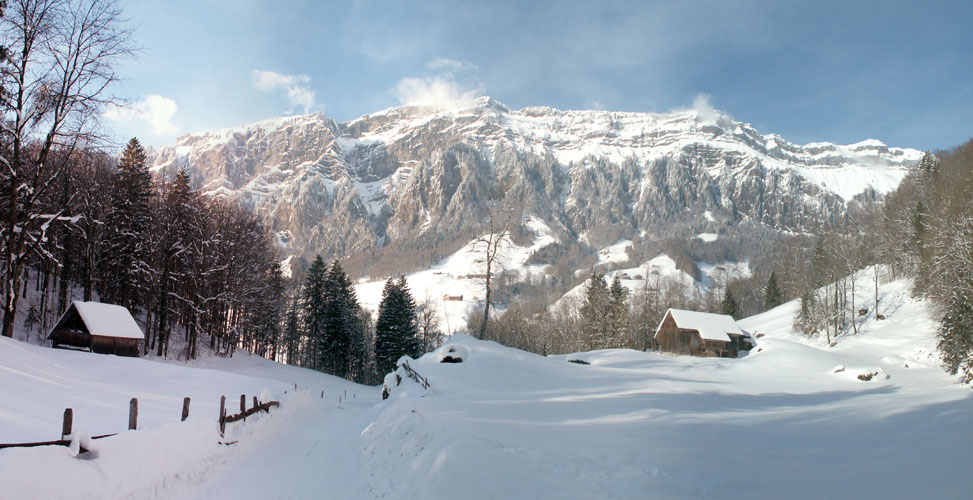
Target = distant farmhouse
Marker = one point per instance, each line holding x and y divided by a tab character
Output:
99	328
701	334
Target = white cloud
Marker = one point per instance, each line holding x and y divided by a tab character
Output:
296	88
153	110
450	65
435	91
704	109
706	113
450	84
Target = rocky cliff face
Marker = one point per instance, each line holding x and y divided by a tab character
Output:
413	179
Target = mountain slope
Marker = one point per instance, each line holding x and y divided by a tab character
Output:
421	180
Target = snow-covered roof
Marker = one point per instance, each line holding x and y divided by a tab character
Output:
710	326
107	320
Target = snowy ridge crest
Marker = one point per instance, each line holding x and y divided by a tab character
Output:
400	174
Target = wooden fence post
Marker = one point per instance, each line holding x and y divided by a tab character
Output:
243	402
66	424
133	413
255	401
222	414
185	408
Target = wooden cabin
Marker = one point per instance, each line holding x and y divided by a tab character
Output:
99	328
700	334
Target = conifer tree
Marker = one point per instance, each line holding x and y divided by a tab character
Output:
616	313
180	232
772	295
396	331
956	337
313	310
342	322
125	262
729	305
594	312
292	334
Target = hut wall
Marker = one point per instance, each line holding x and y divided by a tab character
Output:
70	337
114	345
671	338
668	335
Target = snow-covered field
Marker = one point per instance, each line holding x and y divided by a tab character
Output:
790	420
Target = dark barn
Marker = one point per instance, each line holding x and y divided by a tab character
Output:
99	328
701	334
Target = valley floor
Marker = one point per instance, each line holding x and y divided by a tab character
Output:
790	420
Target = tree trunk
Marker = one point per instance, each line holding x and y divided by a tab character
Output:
486	307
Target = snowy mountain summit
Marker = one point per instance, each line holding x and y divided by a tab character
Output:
420	178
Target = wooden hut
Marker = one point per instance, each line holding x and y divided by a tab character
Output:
99	328
700	334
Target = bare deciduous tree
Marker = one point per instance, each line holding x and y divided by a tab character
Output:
498	232
55	80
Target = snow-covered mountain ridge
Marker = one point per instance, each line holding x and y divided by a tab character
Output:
421	178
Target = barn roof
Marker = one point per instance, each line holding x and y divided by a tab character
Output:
108	320
710	326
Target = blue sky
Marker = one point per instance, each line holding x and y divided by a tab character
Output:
901	72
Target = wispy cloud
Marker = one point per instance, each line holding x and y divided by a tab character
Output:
450	65
297	88
451	84
708	114
155	111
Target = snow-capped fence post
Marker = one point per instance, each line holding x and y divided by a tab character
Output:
222	414
255	401
133	413
243	402
66	424
185	408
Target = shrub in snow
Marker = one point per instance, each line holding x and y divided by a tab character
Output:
579	361
876	374
452	354
403	372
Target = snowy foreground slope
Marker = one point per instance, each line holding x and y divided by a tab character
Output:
791	420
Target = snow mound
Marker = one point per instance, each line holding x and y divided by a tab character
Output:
452	353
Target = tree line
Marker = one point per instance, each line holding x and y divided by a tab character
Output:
328	330
200	267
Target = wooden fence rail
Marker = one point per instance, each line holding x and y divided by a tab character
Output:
59	442
68	421
244	413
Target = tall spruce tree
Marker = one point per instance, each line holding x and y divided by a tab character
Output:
180	233
729	305
594	312
313	311
617	313
292	335
772	295
342	325
125	263
396	331
956	336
